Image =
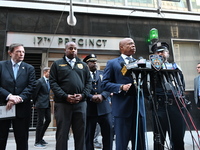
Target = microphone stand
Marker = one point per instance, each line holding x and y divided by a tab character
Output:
138	107
184	102
157	140
138	86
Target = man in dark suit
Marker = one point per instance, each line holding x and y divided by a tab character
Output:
129	120
98	108
42	104
16	89
197	87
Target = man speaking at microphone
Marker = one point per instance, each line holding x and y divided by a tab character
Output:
124	104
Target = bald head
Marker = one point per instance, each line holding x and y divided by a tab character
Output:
123	41
127	46
71	50
69	43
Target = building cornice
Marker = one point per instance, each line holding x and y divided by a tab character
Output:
103	9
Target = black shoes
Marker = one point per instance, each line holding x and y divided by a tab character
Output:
41	145
43	142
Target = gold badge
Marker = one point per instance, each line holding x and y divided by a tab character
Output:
80	66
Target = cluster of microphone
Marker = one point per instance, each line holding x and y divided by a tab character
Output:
169	71
144	64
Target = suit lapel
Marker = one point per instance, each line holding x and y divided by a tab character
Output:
121	60
10	68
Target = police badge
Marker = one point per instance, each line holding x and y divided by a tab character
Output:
156	61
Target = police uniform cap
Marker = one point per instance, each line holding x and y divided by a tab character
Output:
160	46
90	57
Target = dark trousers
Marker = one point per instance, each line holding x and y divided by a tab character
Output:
105	122
67	116
125	130
20	129
170	121
43	121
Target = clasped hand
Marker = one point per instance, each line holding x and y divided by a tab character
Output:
12	100
74	99
97	98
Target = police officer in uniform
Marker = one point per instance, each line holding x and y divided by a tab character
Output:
98	108
168	111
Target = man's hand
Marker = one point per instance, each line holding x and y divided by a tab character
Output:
97	98
15	99
126	87
74	99
9	105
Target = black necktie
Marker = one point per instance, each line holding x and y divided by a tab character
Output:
94	75
48	86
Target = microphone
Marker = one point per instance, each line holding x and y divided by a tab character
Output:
172	79
167	85
134	79
127	68
139	78
148	81
180	82
169	66
178	87
141	62
140	57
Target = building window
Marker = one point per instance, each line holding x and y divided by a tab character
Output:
142	3
195	5
169	5
109	2
187	56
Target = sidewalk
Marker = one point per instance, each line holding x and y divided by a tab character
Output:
50	138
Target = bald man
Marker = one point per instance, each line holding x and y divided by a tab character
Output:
124	105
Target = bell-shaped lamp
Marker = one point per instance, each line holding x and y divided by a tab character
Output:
71	19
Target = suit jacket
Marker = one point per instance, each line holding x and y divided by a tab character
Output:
123	104
41	94
23	85
196	90
98	109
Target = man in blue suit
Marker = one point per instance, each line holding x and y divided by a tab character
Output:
98	108
16	88
129	120
42	104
